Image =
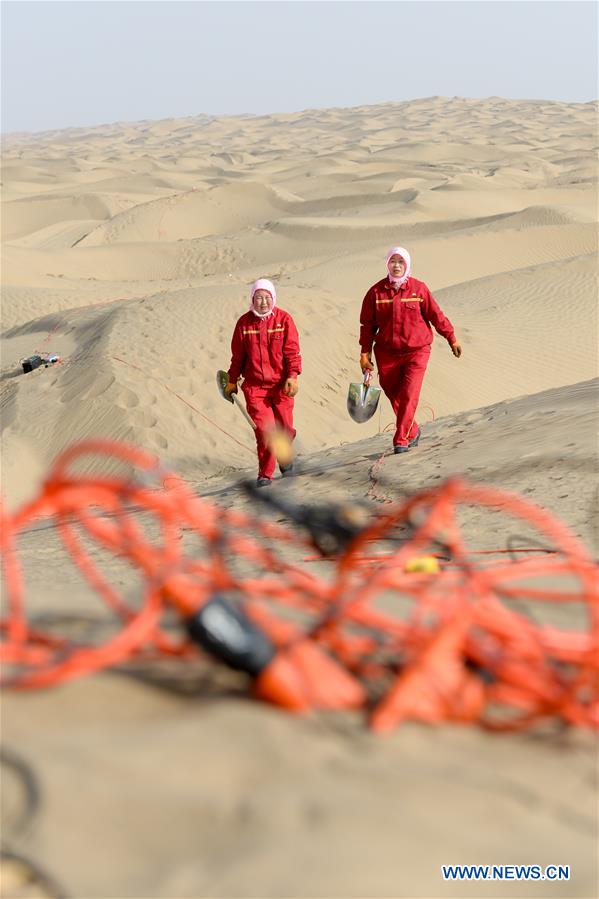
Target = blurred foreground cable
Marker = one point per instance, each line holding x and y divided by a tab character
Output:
460	644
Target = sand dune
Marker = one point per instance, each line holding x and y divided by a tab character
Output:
133	356
20	217
191	214
128	249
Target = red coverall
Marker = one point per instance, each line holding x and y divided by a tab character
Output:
398	321
266	352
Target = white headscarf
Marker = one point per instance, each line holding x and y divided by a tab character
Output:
399	251
263	284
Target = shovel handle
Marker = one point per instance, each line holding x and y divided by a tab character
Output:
243	410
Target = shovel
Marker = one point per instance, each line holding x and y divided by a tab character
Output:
362	399
222	379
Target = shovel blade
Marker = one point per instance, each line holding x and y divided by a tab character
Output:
362	401
222	379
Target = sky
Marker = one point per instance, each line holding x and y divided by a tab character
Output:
80	63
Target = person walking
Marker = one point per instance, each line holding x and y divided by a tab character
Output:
265	351
396	321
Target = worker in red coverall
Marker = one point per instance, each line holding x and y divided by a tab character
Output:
265	350
397	314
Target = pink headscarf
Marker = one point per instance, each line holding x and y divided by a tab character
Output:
263	284
399	251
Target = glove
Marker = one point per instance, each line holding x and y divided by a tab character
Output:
366	362
456	349
291	387
229	389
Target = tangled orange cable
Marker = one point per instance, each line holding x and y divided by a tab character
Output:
462	644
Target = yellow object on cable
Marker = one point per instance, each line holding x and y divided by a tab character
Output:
422	565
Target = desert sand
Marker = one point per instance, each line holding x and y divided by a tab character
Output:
128	250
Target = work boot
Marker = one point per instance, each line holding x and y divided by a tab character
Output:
263	482
414	442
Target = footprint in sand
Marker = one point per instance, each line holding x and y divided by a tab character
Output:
143	418
127	399
158	440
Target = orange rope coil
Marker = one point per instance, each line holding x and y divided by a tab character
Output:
465	644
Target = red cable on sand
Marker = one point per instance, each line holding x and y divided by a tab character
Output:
451	646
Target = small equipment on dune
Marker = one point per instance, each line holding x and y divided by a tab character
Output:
33	362
222	379
362	399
